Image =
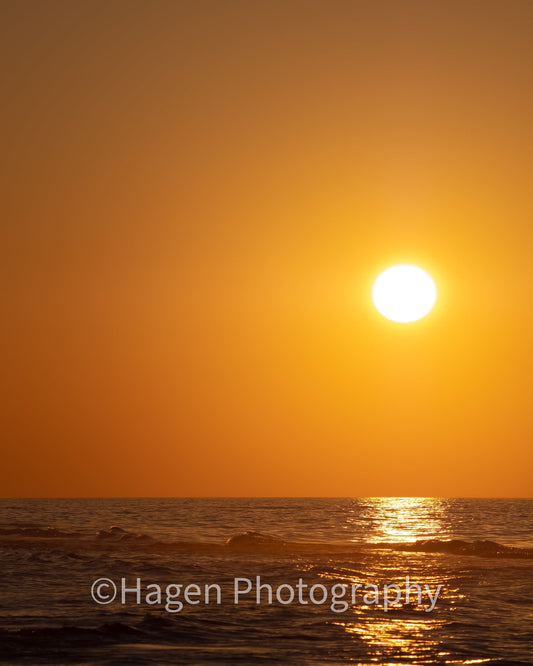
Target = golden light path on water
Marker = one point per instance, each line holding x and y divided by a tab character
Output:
411	637
400	519
404	630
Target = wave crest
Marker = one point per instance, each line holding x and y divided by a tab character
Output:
254	540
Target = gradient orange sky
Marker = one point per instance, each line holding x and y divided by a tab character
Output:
197	198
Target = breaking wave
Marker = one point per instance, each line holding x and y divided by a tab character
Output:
115	537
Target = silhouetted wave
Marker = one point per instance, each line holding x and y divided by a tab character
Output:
459	547
55	642
117	538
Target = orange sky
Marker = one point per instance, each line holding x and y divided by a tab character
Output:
197	197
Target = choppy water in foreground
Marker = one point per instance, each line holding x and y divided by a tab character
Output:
313	551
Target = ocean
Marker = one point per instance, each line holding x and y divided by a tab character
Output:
266	581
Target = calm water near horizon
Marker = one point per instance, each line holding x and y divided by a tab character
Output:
479	551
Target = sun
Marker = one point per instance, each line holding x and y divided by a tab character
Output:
404	293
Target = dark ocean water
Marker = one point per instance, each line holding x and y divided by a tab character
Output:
311	553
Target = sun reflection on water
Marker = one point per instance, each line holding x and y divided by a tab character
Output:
392	638
399	519
405	632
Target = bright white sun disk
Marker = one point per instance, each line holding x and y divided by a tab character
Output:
404	293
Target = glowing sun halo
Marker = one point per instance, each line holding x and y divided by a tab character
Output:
404	293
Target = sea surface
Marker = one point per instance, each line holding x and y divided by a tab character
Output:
471	558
